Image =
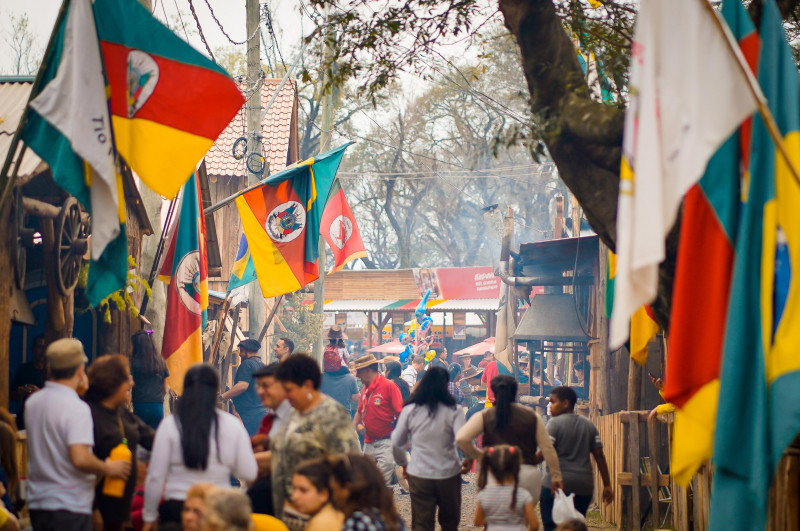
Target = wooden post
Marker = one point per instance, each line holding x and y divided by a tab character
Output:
369	330
652	442
221	318
558	223
56	321
6	282
634	385
633	451
599	349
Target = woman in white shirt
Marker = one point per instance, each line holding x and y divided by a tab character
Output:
198	444
431	419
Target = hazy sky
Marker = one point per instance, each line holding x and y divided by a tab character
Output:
231	13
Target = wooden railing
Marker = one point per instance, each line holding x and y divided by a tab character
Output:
631	445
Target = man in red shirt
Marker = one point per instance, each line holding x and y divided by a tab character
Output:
488	357
378	408
488	374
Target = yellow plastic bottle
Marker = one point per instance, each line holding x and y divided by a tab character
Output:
115	487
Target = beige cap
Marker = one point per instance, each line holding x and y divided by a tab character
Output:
65	354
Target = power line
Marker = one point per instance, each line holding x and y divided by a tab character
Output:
200	31
219	24
180	17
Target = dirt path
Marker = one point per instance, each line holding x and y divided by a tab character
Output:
468	496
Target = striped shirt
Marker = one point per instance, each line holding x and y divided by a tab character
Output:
495	500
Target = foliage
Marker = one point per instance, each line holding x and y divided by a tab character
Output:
426	168
122	299
25	50
302	325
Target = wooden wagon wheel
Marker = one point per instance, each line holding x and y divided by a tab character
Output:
71	244
24	239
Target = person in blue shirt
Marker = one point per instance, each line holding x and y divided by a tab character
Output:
243	392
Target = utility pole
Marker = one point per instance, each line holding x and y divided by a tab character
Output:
253	113
326	112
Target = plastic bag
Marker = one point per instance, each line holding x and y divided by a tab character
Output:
564	508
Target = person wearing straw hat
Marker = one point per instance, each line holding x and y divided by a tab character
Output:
378	408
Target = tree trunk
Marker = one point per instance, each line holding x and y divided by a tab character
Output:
584	137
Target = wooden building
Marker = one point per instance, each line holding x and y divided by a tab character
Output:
46	248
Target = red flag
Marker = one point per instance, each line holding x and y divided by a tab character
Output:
185	270
340	230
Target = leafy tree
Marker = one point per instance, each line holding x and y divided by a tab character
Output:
302	325
583	136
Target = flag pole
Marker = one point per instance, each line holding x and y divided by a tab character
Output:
755	90
230	198
5	181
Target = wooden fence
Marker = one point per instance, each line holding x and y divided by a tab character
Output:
631	446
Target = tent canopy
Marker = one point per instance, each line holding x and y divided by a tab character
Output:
393	347
478	349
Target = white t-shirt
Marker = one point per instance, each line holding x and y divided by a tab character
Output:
167	474
56	418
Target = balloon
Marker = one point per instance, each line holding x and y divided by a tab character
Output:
404	339
426	325
422	307
430	355
405	356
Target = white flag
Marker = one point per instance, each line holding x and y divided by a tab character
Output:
688	95
74	102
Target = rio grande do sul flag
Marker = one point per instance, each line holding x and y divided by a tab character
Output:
169	103
702	283
281	220
68	126
340	230
185	270
688	94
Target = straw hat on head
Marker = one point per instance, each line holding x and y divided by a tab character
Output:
336	332
365	361
387	359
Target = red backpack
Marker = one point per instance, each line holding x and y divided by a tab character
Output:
331	359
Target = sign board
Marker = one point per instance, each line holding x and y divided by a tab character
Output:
458	282
459	325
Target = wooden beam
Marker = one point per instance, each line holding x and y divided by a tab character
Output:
626	480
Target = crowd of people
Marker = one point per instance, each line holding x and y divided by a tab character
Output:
310	446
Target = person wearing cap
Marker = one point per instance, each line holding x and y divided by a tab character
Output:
62	470
273	397
243	392
378	408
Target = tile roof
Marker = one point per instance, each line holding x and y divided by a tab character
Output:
276	132
13	97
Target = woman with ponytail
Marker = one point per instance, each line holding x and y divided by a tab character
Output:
513	424
198	444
